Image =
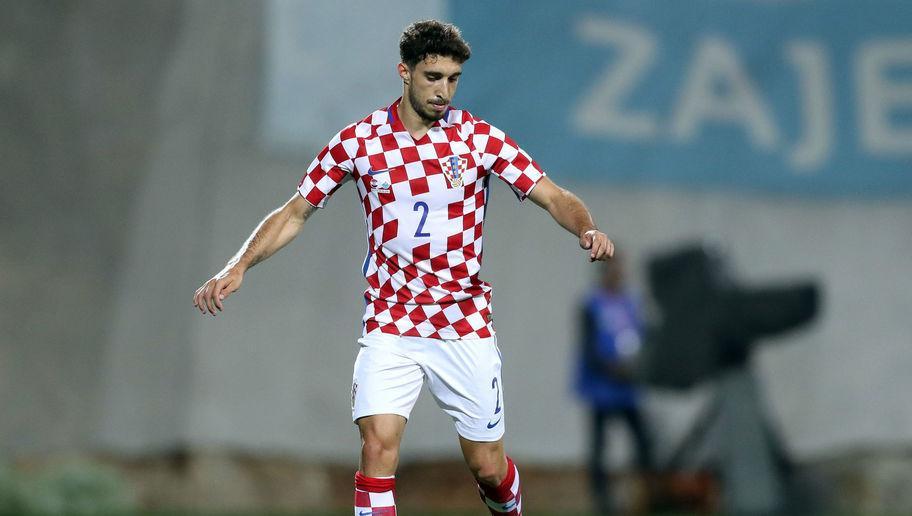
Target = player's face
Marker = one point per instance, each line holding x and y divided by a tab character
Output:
431	85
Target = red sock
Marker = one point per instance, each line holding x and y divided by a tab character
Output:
374	496
507	497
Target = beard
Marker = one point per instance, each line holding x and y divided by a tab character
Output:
422	108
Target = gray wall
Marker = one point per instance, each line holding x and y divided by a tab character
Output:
79	84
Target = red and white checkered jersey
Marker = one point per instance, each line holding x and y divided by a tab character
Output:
424	207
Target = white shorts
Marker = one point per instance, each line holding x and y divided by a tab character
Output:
462	375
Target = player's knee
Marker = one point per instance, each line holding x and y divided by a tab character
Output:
488	470
378	450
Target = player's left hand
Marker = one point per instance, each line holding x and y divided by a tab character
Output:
599	245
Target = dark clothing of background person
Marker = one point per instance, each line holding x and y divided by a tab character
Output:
610	338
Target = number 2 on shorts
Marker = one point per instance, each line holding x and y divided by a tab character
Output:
494	385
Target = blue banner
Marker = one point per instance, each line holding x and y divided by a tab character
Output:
798	97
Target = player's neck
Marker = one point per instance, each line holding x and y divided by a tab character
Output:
413	122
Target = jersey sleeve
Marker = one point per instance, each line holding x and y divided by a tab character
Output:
501	155
330	169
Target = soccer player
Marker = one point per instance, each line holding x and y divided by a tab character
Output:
422	170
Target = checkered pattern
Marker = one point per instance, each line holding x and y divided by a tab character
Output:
424	205
374	496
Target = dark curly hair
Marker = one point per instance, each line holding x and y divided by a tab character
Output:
431	37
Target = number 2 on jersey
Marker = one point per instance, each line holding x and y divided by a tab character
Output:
421	205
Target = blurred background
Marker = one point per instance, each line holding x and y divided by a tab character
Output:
767	142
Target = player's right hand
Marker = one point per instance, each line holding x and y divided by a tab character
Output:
210	295
600	247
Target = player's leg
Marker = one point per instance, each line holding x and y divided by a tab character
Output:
385	386
380	438
497	476
464	378
375	480
486	461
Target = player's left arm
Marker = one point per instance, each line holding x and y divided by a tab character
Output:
570	212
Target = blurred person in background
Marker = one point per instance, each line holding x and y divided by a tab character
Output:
610	339
422	170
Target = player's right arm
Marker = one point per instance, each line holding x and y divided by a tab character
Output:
272	234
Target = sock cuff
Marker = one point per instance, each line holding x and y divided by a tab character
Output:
511	475
373	484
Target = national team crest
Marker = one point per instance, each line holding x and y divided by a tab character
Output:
454	169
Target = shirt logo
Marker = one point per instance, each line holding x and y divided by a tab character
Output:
380	182
454	169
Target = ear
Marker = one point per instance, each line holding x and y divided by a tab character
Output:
404	72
